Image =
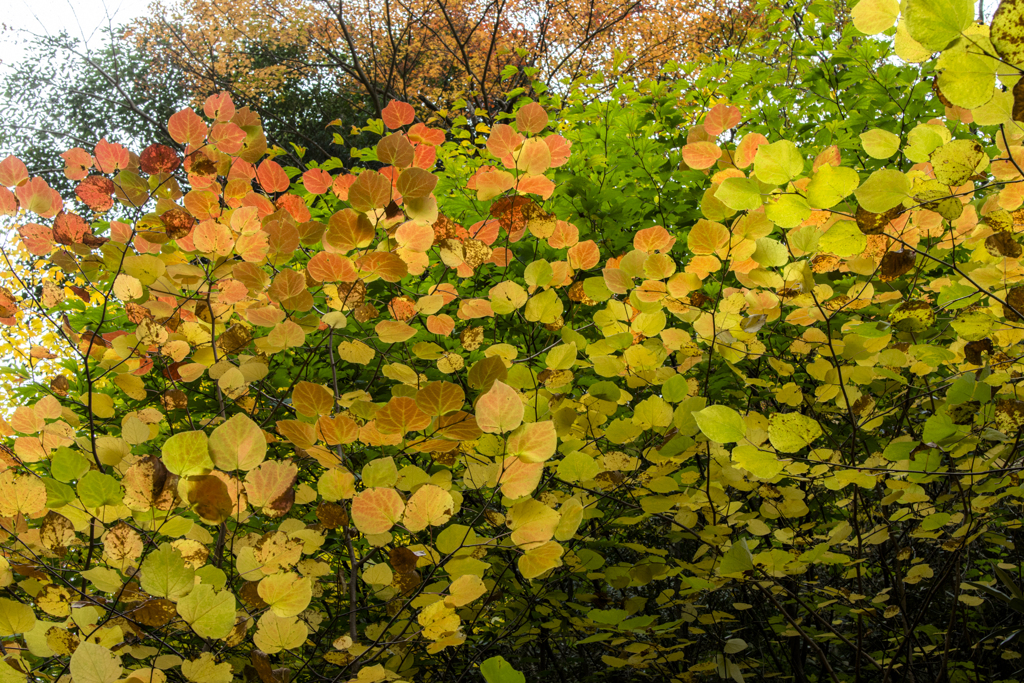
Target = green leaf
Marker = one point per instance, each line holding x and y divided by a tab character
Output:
937	428
937	23
209	613
736	560
721	424
831	185
497	670
57	494
966	79
187	454
1007	31
741	194
68	465
874	16
843	239
165	574
883	190
880	144
578	466
97	489
791	432
787	210
957	161
778	163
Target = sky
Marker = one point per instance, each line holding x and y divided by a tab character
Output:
81	18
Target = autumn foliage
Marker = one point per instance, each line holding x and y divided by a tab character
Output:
640	388
427	52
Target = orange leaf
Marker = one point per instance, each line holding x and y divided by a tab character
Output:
531	118
396	150
536	184
384	265
401	415
707	237
376	510
584	255
347	230
415	183
328	267
110	157
269	487
13	172
370	191
701	155
440	398
518	478
503	142
534	441
219	107
429	506
747	149
721	118
560	149
271	176
317	181
398	114
38	197
77	163
186	127
312	400
393	331
500	410
654	240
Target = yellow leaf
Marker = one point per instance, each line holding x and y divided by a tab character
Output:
92	663
286	593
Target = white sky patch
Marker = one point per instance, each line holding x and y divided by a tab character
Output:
83	19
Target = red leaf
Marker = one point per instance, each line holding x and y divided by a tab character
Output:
97	193
398	114
69	228
186	127
159	159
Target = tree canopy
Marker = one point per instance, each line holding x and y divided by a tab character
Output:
706	375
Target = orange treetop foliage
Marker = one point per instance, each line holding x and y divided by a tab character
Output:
425	51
